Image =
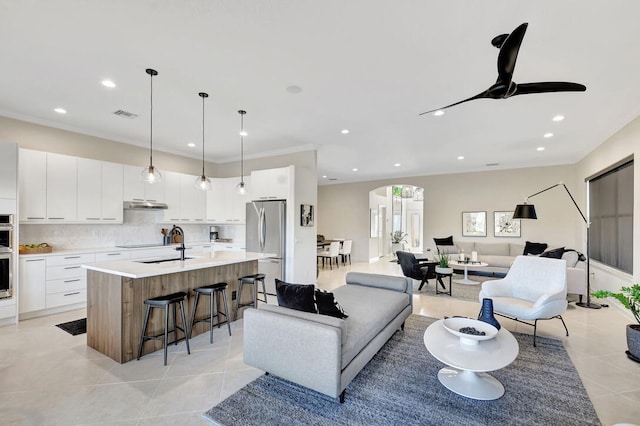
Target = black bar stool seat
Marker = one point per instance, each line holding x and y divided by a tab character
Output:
250	280
211	291
163	302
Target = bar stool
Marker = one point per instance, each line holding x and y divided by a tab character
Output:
164	302
250	280
211	291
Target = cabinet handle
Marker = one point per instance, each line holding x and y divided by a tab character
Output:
153	201
56	218
139	199
92	218
114	254
72	257
34	217
72	281
72	267
72	294
108	218
35	260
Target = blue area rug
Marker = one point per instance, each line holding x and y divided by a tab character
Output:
400	387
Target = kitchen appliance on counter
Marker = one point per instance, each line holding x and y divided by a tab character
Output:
265	233
213	233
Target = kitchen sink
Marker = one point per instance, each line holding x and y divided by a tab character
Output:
162	260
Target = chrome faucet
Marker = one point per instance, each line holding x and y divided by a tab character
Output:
179	231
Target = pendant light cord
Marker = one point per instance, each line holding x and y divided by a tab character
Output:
151	125
203	136
242	148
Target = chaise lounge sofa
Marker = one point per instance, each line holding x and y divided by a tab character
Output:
322	352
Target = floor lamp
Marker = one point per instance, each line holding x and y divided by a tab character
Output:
528	211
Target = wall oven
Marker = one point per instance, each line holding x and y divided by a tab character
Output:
6	233
6	275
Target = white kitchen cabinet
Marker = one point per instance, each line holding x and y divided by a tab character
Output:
199	248
164	251
135	189
224	204
272	184
113	255
186	204
112	192
66	279
8	170
228	246
32	290
89	190
62	195
32	169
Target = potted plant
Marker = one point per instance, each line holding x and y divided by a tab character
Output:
630	299
443	264
397	238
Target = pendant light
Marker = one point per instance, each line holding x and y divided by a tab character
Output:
202	181
241	188
151	174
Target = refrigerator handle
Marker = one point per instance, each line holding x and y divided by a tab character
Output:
262	229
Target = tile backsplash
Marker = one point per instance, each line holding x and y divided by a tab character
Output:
138	227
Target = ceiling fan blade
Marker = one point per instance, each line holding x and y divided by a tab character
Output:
478	96
509	53
549	86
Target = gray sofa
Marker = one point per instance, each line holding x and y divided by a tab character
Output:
325	353
500	256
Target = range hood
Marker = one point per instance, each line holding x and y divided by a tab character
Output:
144	205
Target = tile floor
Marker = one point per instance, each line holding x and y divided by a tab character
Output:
48	377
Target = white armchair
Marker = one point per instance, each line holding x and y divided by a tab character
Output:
535	288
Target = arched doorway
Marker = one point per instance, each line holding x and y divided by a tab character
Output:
396	209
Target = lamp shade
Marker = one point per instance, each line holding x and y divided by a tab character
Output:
525	211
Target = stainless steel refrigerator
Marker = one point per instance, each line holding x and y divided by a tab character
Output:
266	233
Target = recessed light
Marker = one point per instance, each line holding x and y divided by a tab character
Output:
108	83
294	90
354	169
461	157
396	165
324	176
558	117
438	113
60	110
244	133
344	131
191	145
548	135
540	148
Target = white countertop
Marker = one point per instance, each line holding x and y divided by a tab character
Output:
136	269
68	251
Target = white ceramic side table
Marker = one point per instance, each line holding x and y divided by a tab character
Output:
469	363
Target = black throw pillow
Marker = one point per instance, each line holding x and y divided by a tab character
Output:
534	248
296	296
327	304
553	254
444	241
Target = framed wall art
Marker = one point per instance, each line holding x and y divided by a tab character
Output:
474	224
504	225
306	214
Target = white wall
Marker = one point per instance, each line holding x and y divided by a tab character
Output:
343	209
621	145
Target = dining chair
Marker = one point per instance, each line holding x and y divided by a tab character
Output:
345	251
332	253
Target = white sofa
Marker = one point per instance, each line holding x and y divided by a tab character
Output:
325	353
500	256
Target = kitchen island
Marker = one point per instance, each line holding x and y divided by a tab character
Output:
116	291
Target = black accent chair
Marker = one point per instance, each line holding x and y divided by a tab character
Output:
412	268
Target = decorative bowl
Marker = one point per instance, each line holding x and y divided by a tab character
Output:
453	326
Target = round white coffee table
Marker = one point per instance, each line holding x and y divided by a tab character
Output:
466	279
469	363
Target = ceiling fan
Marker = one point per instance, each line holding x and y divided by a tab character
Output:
505	87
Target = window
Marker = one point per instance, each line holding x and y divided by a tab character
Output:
611	214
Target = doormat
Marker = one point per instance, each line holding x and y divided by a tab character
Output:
74	327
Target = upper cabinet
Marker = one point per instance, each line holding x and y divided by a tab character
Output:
9	170
56	188
135	189
186	203
100	191
224	204
272	184
32	167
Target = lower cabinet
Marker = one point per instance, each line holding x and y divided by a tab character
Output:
66	280
31	292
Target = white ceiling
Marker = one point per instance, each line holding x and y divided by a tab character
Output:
370	66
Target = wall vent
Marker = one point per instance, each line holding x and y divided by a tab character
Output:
125	114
